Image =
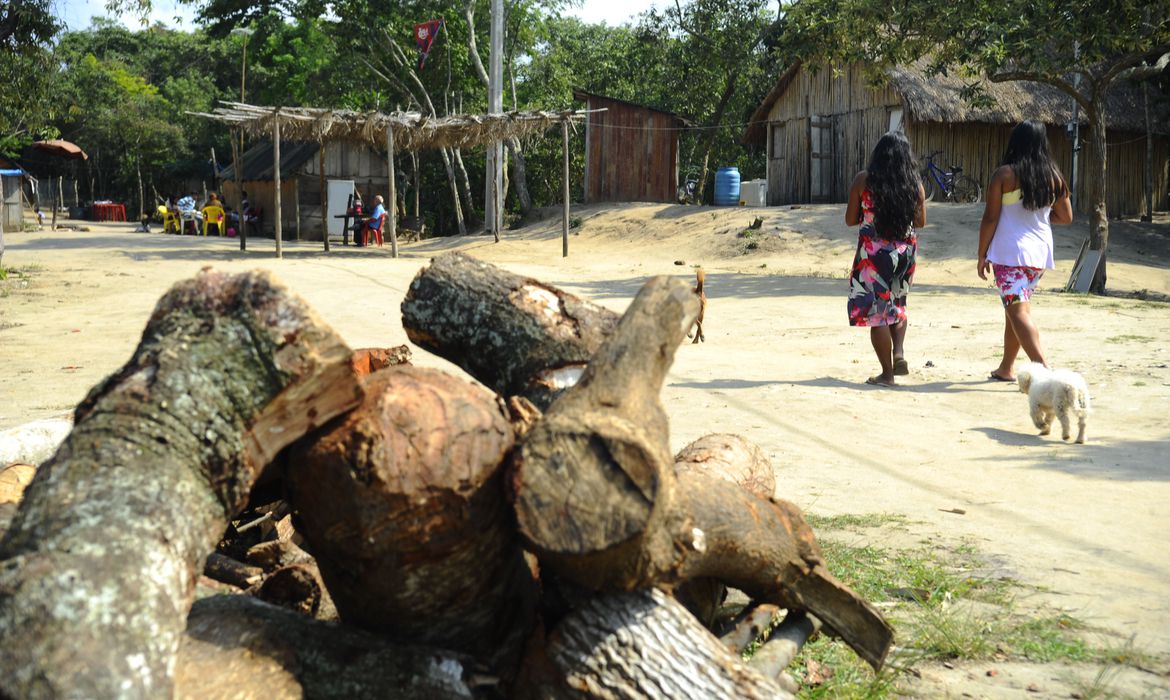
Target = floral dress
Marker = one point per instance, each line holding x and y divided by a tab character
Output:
882	273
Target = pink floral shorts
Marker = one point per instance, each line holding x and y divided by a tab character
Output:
1016	284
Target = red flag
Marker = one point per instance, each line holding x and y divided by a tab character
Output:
424	37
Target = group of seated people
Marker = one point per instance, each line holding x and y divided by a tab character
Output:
181	213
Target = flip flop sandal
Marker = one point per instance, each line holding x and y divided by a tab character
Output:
996	378
901	367
874	381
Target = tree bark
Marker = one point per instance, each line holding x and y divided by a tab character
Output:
644	645
239	647
1099	218
100	565
403	506
596	496
517	335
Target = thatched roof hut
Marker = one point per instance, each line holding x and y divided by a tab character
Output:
819	127
413	131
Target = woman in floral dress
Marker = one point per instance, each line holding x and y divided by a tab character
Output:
888	200
1026	196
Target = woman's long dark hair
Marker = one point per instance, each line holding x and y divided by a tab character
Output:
892	182
1041	182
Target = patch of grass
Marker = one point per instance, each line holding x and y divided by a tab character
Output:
1129	338
854	520
939	612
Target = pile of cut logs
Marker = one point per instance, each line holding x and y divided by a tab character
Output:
404	532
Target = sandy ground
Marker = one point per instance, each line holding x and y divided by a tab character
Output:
1086	524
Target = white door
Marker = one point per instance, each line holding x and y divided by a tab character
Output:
339	193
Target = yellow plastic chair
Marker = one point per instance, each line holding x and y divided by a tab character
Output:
213	215
170	219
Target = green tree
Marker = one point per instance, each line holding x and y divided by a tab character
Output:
1081	47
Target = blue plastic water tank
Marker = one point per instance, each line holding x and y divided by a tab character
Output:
727	187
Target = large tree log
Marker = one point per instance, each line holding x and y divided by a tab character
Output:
239	647
596	495
731	458
99	567
645	645
517	335
403	506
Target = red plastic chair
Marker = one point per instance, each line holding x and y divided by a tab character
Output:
376	230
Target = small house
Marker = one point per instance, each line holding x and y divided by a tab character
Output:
300	182
631	151
819	127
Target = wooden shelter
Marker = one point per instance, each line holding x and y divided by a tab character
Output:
397	130
819	128
631	151
301	170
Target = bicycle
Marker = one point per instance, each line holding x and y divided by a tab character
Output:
952	184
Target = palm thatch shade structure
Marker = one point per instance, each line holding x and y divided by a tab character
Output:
412	131
819	125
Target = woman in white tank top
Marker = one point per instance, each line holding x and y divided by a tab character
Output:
1026	196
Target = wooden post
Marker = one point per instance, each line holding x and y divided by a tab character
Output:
237	154
324	196
392	218
56	204
276	176
297	205
565	212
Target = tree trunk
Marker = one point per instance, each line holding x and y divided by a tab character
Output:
517	335
1099	218
238	647
645	646
716	119
469	212
141	201
1149	179
403	506
520	176
99	567
596	496
458	209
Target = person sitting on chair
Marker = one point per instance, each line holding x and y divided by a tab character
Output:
374	223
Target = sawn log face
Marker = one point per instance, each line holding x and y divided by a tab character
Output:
403	505
99	566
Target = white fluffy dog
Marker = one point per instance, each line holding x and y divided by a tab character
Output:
1055	393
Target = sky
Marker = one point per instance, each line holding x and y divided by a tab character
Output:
76	13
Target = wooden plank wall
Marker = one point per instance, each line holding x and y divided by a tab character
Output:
631	154
979	149
859	116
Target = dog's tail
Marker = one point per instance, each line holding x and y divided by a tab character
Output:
1076	398
700	277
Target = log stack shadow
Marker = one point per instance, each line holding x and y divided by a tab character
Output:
355	526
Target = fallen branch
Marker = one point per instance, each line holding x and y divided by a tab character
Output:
100	564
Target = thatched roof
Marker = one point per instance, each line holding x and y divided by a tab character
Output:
938	98
412	131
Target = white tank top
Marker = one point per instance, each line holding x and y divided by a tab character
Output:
1023	237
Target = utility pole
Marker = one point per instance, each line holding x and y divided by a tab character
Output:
493	216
